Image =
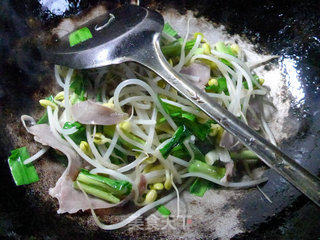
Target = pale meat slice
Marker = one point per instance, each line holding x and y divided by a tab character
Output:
198	70
230	142
93	113
254	113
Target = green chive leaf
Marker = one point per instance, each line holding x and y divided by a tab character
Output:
22	174
163	210
169	30
79	36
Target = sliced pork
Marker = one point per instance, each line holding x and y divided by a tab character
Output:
89	112
198	70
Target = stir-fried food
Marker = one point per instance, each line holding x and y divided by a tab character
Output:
129	136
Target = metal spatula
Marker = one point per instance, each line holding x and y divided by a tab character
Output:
132	33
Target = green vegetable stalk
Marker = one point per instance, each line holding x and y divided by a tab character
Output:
202	167
102	187
245	154
96	192
169	30
173	49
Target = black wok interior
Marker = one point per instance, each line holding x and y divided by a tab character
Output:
290	29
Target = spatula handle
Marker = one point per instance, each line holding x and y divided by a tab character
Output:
302	179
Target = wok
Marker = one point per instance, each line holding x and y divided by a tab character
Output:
289	29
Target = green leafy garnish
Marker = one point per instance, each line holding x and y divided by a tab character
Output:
163	210
173	49
43	119
177	138
180	151
78	36
189	116
198	155
169	30
222	47
79	87
79	135
187	119
22	174
201	131
199	187
220	87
